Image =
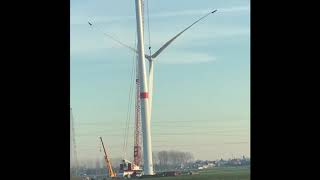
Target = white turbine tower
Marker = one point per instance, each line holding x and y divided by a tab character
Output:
145	119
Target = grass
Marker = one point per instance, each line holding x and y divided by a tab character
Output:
217	173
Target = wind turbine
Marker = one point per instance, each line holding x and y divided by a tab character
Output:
156	54
147	84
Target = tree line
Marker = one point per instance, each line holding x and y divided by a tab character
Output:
164	160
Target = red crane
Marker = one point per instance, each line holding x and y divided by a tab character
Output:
137	132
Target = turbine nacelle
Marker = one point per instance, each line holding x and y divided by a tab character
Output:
149	58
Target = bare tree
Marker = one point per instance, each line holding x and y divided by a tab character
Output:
188	157
172	159
163	158
155	158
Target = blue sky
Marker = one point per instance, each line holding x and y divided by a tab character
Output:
201	101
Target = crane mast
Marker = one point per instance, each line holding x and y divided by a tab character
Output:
137	132
108	163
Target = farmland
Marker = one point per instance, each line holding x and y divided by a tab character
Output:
218	173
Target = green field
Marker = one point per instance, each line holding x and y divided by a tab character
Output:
218	173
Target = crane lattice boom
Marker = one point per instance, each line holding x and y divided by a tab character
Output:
108	162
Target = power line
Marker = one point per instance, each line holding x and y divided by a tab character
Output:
170	135
189	144
170	145
157	131
159	122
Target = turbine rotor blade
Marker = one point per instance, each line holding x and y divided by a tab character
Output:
127	46
175	37
150	86
116	40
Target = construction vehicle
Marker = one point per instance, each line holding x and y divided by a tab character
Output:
110	171
129	169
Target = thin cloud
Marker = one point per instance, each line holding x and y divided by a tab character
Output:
202	11
78	20
185	58
236	9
